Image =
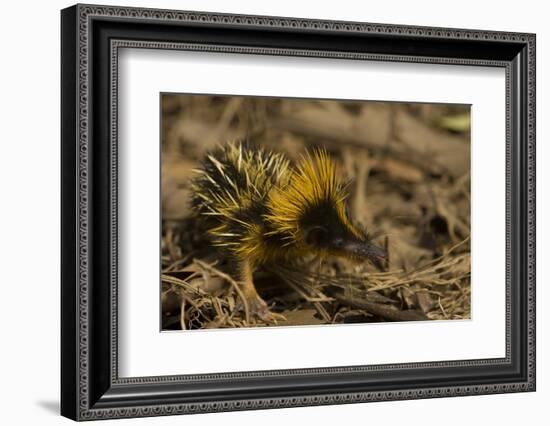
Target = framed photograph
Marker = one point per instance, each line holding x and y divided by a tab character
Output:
263	212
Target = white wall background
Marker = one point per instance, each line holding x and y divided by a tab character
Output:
29	211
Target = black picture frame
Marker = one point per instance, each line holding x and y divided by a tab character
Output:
90	38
